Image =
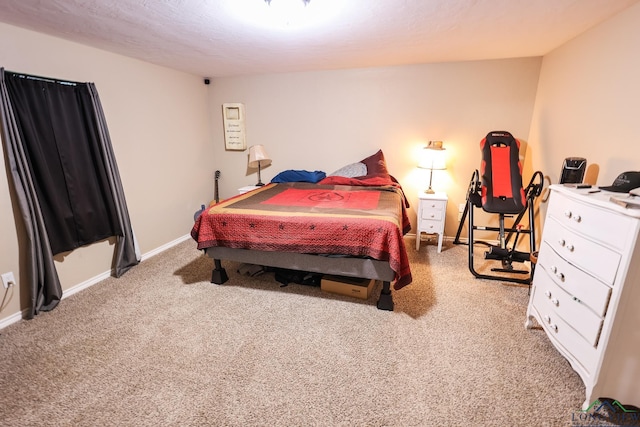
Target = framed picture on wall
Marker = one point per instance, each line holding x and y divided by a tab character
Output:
234	130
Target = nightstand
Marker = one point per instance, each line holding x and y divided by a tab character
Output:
432	209
247	188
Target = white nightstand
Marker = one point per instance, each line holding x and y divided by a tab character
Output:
247	188
432	210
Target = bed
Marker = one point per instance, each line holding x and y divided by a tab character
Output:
341	225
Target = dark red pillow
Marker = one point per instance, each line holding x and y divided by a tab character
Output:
376	164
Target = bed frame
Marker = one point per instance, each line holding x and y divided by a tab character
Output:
335	265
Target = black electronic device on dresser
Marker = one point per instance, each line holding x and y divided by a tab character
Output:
573	169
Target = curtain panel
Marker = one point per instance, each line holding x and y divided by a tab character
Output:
65	177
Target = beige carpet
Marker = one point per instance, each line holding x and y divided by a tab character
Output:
163	346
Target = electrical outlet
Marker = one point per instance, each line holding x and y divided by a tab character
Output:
8	279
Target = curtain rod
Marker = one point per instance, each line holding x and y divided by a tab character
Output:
44	79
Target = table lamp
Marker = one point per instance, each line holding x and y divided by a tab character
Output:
258	158
432	158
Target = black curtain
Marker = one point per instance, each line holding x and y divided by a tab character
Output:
60	137
65	176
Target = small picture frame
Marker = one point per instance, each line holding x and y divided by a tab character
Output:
234	126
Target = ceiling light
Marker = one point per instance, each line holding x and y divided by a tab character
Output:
306	2
284	15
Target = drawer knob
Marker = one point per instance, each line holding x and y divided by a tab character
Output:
554	327
547	293
554	269
567	214
555	302
561	242
577	218
570	248
560	276
547	318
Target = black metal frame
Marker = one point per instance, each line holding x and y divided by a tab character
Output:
343	266
502	252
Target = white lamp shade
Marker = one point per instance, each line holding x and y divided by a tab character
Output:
258	156
433	156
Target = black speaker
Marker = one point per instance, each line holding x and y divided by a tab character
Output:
573	169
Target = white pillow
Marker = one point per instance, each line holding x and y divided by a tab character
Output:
351	171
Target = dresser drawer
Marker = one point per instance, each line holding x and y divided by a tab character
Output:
575	313
599	224
589	256
563	335
429	226
576	282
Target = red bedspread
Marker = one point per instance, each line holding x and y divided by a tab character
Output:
360	220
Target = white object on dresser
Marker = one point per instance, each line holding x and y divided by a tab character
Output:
248	188
432	209
586	291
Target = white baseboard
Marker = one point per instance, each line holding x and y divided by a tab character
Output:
164	247
87	283
92	281
16	317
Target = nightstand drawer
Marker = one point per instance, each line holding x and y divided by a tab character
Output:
434	205
428	226
586	254
576	282
430	214
552	299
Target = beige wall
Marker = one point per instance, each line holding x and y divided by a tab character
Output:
159	124
588	101
324	120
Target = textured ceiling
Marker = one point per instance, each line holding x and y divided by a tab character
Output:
228	37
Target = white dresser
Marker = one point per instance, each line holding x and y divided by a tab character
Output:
432	211
586	290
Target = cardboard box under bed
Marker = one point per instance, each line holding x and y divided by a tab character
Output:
351	286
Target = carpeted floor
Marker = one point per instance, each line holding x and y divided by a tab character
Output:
163	346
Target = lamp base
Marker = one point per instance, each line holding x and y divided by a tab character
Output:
430	190
260	183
